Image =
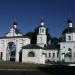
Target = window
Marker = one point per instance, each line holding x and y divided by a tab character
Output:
12	46
42	30
57	54
69	49
53	55
70	53
63	46
49	54
1	55
31	54
69	37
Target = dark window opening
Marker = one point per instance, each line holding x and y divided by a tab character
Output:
20	56
53	55
49	54
31	54
57	54
70	53
1	54
69	37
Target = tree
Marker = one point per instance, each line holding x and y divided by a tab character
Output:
54	42
32	36
48	35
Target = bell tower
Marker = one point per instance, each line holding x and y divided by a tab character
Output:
42	37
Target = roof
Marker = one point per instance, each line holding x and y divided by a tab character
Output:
69	30
31	46
17	31
13	37
48	47
41	26
34	46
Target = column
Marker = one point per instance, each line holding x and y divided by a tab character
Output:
4	50
18	48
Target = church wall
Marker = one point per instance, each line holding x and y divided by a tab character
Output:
4	50
64	48
1	45
67	37
38	58
73	36
50	56
19	42
41	40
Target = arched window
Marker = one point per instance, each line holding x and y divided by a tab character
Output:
69	37
70	52
12	46
31	54
69	49
42	30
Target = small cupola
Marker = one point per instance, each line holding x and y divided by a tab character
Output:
69	23
15	24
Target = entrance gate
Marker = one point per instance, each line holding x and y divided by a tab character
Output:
11	51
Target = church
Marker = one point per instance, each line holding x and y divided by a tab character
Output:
15	46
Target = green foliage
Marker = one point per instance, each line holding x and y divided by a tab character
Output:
54	42
33	37
29	34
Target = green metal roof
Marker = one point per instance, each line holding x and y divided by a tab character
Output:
32	46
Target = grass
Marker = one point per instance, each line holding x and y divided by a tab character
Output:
52	62
16	66
19	66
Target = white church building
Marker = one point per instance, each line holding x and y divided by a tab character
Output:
14	46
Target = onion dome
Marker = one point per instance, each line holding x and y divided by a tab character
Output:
69	30
69	21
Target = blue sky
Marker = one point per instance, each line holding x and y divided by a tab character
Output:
28	14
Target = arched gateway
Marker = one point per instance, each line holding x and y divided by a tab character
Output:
11	51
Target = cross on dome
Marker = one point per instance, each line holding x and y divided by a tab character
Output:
69	20
42	21
15	23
